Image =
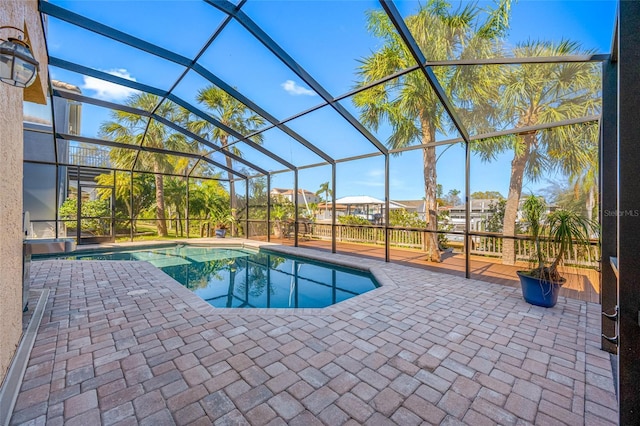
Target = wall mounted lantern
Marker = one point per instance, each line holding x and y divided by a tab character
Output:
18	67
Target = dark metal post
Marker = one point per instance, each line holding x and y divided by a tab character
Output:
386	207
269	207
295	204
608	180
333	208
131	205
78	208
246	216
467	209
57	211
186	210
57	161
112	201
628	212
297	287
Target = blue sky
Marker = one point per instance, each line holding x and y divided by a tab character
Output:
326	38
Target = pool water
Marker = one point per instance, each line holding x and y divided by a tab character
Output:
238	278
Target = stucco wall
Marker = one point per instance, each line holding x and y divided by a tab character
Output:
24	15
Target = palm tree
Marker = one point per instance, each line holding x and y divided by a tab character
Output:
198	204
130	128
175	195
585	182
534	94
324	189
209	201
408	103
235	115
143	190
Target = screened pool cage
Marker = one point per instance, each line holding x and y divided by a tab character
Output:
235	123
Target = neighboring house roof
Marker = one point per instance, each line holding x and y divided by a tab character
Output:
359	199
418	205
65	86
365	199
282	191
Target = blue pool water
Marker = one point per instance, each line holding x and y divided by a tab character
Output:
236	278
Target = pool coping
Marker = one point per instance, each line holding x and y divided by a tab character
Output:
371	266
12	383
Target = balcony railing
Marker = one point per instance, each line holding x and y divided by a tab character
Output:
86	156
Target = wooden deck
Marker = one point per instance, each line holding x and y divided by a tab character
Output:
582	284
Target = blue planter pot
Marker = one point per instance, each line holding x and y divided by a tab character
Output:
539	292
220	233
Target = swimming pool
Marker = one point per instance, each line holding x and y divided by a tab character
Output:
240	278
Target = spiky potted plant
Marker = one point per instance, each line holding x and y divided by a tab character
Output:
562	228
222	218
278	214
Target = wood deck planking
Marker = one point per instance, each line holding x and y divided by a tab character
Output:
582	284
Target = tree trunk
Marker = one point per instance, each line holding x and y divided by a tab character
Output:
132	217
326	203
431	193
591	202
232	188
179	227
161	222
518	165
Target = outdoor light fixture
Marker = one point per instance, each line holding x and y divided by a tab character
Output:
18	67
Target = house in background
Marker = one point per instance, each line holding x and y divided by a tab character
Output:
417	206
39	181
304	197
479	214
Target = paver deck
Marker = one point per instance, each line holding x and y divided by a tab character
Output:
123	343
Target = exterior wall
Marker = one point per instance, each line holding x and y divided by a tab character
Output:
10	223
311	198
21	14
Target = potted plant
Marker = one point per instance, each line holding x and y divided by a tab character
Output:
222	217
279	214
563	228
281	210
221	230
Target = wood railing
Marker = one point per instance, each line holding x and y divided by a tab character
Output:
491	246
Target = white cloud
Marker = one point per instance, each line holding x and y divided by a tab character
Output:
292	88
374	173
109	91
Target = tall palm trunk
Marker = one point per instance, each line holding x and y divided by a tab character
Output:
326	203
132	219
161	222
518	165
430	192
591	202
232	186
179	228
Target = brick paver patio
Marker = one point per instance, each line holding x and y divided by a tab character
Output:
122	343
